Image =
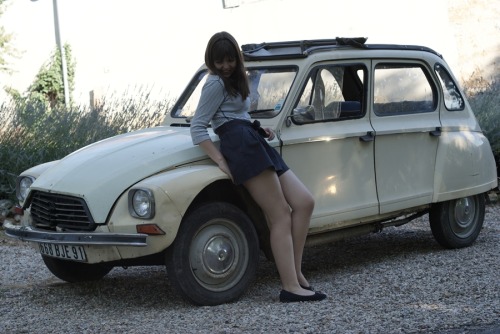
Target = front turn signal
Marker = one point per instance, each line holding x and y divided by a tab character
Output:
150	229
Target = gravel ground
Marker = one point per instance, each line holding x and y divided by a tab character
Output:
396	281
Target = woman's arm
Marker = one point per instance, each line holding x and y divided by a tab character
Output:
213	152
212	96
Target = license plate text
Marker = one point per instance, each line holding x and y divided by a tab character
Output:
69	252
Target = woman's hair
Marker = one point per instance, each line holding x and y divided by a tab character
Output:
222	45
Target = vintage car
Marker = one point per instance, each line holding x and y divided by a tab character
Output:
380	134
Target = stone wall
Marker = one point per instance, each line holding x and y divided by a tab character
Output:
476	28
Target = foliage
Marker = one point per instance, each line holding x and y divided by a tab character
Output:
484	98
48	84
32	133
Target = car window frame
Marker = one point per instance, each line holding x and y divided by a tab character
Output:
405	63
202	73
313	72
438	67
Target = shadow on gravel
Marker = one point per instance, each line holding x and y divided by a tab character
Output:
127	285
392	243
136	287
140	287
397	281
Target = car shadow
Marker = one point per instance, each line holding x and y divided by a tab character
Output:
140	286
393	243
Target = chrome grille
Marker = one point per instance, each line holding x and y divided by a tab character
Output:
66	212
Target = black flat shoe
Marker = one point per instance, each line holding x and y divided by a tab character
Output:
310	288
288	297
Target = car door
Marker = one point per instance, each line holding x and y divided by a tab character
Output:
405	118
328	143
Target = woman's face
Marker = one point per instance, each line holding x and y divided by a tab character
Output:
225	66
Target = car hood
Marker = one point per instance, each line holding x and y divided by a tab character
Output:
100	172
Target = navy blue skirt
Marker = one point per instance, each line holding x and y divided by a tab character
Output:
247	153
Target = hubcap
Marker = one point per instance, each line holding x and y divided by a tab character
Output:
464	217
218	255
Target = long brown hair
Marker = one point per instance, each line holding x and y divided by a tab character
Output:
221	45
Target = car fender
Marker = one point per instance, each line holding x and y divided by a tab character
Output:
38	170
183	184
174	191
465	165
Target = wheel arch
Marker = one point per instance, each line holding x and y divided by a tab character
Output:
224	190
189	187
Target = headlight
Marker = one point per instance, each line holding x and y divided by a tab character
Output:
23	187
141	203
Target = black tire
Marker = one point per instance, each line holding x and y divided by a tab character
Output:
215	255
74	272
457	223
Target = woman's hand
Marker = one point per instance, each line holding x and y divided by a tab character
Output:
270	133
224	167
214	154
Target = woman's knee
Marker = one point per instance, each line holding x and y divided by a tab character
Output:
307	203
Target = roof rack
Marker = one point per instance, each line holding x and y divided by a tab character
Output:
297	49
301	49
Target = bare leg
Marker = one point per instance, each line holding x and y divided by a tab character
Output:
302	203
267	191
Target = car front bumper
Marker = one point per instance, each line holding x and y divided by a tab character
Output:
27	233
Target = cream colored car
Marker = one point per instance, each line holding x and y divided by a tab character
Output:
380	134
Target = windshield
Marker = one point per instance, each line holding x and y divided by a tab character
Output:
269	87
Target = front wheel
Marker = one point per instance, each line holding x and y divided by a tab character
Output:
74	272
457	223
215	255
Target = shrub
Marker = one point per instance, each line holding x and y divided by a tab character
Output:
484	98
32	133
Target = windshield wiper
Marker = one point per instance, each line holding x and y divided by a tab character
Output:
258	111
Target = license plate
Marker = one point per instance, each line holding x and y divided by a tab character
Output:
68	252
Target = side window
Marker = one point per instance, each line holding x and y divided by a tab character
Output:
402	89
188	102
269	88
452	98
331	93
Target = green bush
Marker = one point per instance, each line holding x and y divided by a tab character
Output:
32	133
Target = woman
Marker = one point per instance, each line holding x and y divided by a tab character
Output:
248	160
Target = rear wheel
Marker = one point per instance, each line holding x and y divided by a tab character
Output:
215	255
457	223
74	272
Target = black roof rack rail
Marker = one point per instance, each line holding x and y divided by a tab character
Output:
402	47
297	49
302	48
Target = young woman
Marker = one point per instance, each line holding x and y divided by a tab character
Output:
248	160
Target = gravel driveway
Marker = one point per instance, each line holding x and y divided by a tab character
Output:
396	281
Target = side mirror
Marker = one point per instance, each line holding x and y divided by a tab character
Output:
302	114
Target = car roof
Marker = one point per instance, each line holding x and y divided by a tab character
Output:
304	48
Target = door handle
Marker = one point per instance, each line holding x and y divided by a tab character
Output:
435	133
368	137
